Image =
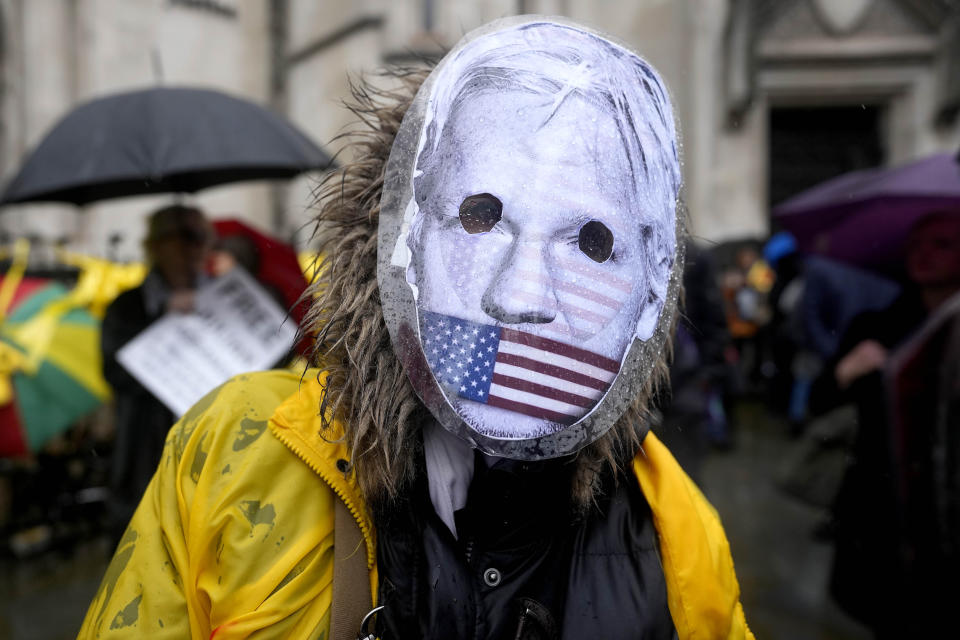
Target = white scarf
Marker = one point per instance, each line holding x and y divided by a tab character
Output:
449	471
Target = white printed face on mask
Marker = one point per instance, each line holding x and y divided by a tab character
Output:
529	261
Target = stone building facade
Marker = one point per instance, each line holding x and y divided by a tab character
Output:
771	95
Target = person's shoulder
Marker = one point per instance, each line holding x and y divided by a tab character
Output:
126	299
225	443
235	415
672	495
263	390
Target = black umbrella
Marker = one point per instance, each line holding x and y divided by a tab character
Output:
160	140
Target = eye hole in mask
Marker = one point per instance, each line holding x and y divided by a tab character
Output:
480	213
596	241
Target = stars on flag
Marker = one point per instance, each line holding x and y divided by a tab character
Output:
461	354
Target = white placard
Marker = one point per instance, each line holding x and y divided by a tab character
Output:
235	328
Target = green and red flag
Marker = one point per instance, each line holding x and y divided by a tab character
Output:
50	360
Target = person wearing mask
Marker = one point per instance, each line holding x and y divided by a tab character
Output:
502	264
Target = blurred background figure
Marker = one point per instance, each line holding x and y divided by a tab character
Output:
813	300
694	412
177	245
884	505
271	261
780	252
274	264
746	284
230	251
922	378
55	430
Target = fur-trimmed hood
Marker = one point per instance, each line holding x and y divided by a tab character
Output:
366	386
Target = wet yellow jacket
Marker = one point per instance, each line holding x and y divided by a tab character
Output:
234	536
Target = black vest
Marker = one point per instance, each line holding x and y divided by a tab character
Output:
522	567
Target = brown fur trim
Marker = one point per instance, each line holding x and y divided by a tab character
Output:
366	386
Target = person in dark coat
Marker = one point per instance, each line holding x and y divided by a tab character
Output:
176	247
873	576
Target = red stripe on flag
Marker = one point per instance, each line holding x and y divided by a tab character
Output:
594	274
546	344
570	287
588	294
552	370
608	279
530	410
541	390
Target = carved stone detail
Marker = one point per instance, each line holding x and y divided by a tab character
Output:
841	18
761	33
830	19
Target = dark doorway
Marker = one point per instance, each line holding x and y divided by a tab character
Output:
811	144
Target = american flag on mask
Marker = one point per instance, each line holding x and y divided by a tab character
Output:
515	370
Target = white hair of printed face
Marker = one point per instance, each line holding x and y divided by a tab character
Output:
560	62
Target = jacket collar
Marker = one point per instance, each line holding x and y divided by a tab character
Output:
296	423
702	588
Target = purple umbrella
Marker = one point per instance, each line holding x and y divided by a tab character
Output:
864	216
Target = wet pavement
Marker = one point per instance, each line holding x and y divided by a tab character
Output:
783	568
46	597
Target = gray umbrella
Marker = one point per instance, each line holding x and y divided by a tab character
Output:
160	140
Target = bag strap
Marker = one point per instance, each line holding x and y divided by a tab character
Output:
351	580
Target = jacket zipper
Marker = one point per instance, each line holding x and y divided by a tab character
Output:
354	512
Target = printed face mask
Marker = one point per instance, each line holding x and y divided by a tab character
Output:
528	236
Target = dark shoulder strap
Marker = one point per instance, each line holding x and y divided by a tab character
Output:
351	580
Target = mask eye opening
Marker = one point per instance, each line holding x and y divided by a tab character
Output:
480	213
596	241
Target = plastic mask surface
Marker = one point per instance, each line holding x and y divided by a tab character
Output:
528	236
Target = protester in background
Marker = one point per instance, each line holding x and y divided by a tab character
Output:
922	380
230	252
780	252
746	285
694	416
813	301
176	246
869	578
271	262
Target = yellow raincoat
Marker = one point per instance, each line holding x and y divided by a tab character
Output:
234	537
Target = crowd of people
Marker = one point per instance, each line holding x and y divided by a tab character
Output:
861	363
